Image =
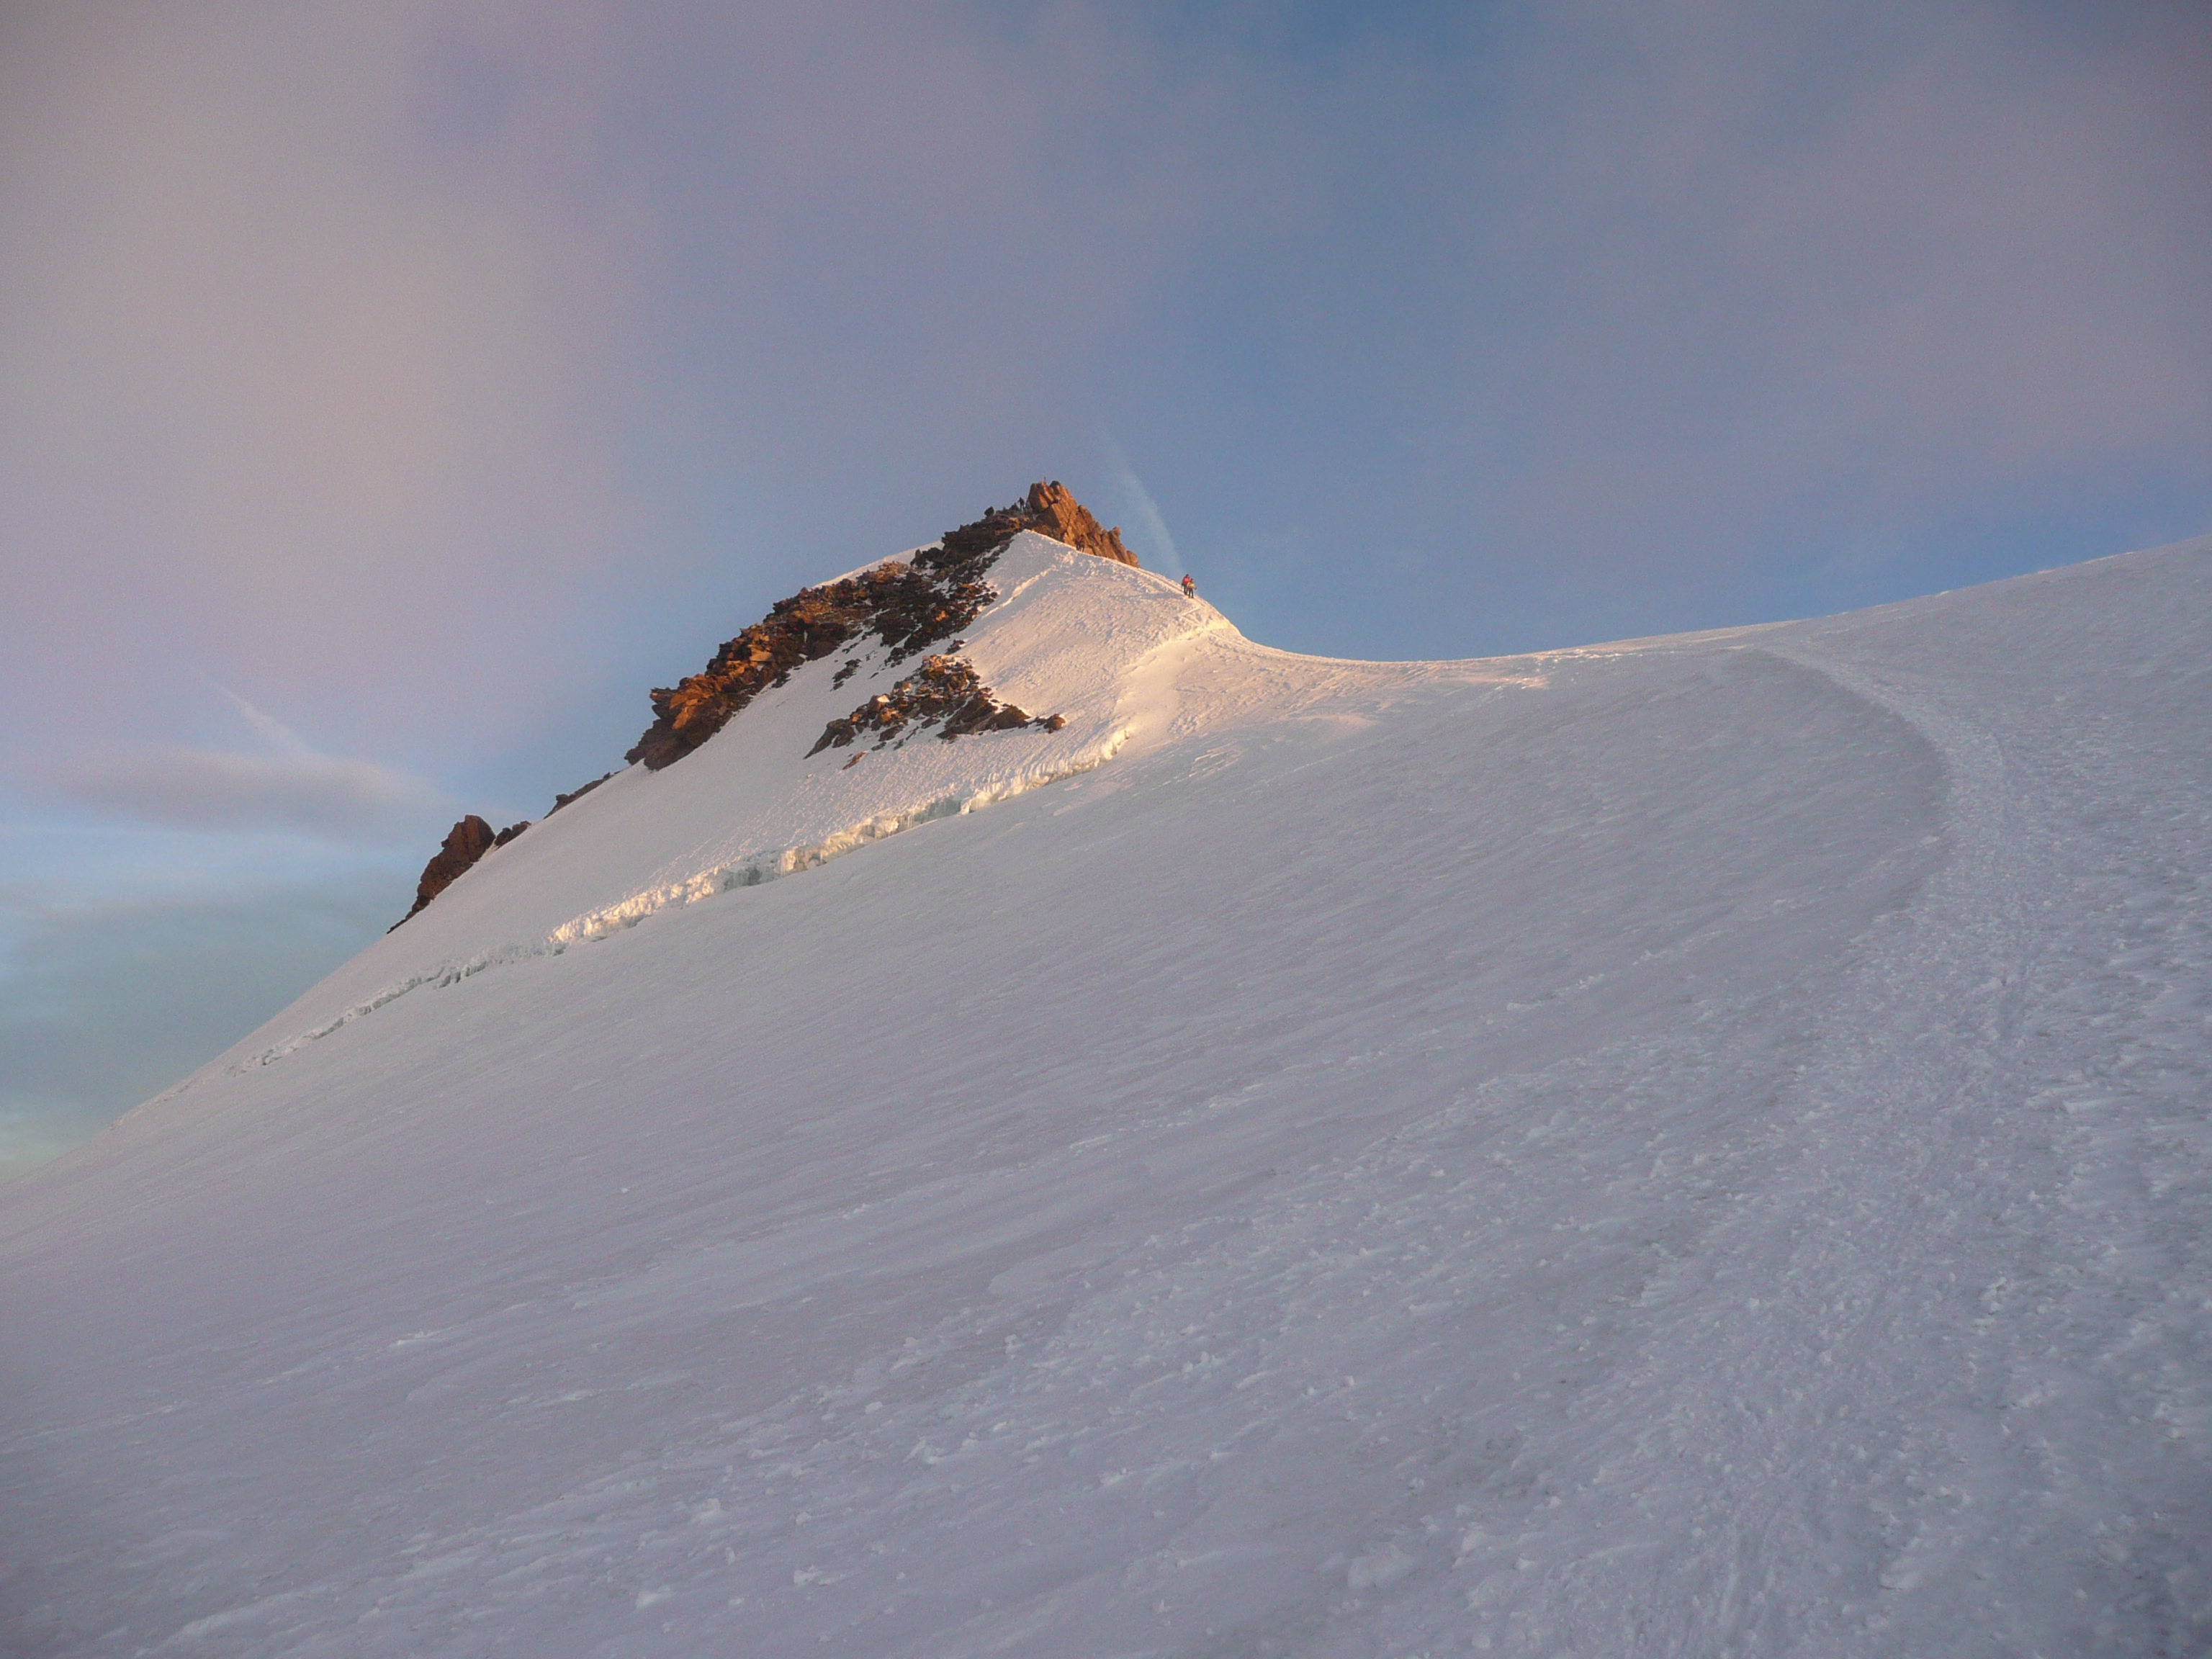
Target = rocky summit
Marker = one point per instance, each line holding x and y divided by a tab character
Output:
912	605
1049	510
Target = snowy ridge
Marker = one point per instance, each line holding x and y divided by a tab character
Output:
1097	641
1692	1145
752	872
758	867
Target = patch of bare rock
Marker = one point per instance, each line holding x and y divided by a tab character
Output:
946	693
908	606
465	842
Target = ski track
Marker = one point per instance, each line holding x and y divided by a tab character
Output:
1827	1275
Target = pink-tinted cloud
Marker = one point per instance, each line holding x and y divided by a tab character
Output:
400	364
353	355
282	400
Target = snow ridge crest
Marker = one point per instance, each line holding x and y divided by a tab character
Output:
910	605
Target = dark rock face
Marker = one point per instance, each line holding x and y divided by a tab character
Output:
467	841
946	693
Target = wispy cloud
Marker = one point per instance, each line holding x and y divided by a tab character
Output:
273	732
212	789
1139	502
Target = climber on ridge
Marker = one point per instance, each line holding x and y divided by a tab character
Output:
1189	588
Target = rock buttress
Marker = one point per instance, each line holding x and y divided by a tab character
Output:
465	842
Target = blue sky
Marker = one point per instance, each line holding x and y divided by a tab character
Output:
389	396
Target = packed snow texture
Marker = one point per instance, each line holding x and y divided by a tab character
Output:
1692	1146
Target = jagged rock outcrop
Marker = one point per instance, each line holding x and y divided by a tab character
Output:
576	794
1049	510
465	842
946	693
910	606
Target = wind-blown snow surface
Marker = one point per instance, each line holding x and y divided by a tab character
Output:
1692	1146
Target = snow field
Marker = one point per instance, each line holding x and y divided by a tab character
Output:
1697	1146
1070	634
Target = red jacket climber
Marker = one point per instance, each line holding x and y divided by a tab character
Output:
1189	588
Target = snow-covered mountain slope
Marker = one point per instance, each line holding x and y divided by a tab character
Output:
1096	642
1692	1146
